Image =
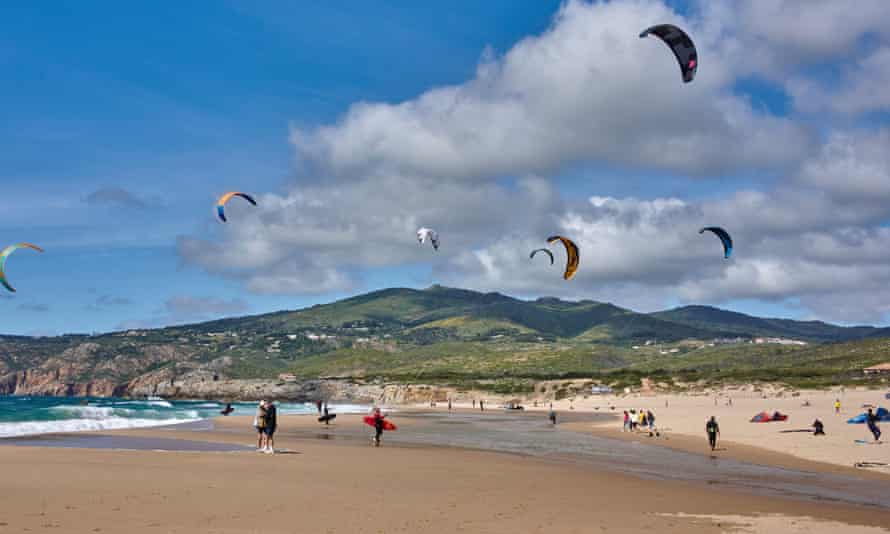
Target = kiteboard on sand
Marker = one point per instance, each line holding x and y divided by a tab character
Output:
386	424
326	418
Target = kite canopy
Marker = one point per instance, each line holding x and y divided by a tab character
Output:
724	238
764	417
424	234
681	45
545	251
220	204
882	414
5	254
572	253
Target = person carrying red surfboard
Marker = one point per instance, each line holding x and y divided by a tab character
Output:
378	426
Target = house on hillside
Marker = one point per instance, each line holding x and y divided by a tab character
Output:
879	369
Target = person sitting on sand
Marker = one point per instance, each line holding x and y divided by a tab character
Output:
871	420
818	428
271	426
713	431
259	422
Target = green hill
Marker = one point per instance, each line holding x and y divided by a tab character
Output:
453	335
746	325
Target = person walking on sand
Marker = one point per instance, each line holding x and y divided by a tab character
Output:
872	422
327	418
713	431
449	405
481	405
650	418
378	426
552	417
837	406
259	422
271	426
626	422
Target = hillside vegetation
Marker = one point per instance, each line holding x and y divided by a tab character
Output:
459	336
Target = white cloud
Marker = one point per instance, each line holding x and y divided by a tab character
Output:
773	36
586	90
862	89
852	166
589	91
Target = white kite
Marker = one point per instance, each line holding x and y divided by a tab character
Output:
427	233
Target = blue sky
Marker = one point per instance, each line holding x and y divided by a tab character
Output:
123	123
177	105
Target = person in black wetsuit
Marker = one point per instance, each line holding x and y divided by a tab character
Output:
552	416
378	426
818	428
271	426
228	409
327	419
871	419
713	431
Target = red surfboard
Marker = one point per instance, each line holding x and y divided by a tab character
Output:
369	420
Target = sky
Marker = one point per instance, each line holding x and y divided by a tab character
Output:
495	123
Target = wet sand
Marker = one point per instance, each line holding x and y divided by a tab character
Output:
332	480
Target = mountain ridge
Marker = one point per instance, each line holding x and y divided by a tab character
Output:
437	333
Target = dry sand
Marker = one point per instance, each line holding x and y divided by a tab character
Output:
349	487
681	419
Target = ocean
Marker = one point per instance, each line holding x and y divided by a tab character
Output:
30	416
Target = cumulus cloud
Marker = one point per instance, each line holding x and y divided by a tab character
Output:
477	161
585	90
863	88
775	36
311	241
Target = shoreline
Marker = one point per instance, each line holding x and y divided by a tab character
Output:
407	485
524	436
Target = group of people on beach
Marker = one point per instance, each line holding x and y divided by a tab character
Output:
266	422
634	420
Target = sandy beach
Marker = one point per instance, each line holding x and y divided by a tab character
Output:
329	479
681	420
